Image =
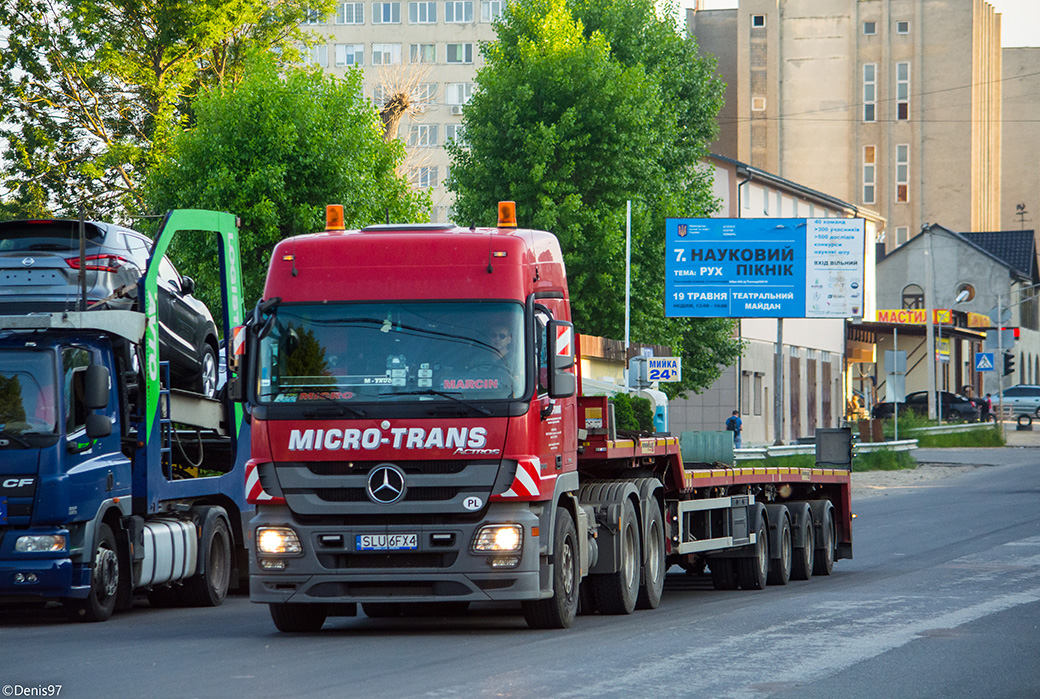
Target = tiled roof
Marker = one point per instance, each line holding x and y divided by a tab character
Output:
1016	248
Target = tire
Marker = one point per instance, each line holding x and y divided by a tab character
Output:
753	570
802	561
558	611
780	568
210	586
104	580
616	592
654	567
298	618
206	382
723	573
381	610
825	545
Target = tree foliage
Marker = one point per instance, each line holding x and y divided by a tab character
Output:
583	106
92	90
275	149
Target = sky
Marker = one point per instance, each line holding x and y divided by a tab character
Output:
1019	24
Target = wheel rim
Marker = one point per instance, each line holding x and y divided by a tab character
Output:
763	554
219	571
653	545
209	374
568	567
629	556
785	550
106	569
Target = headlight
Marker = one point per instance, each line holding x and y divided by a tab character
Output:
277	540
40	544
496	538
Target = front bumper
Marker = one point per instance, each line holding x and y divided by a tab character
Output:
337	573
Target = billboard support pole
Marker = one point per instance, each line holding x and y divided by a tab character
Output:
778	385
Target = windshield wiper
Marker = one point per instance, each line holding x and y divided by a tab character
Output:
14	437
443	394
341	409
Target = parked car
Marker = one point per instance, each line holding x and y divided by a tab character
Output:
955	408
39	272
1020	399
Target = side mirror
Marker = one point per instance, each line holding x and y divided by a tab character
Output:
562	383
187	285
98	426
96	387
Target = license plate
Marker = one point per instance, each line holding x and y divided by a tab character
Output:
387	542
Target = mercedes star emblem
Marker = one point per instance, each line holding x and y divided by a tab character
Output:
385	484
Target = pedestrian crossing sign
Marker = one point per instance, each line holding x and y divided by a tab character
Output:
984	361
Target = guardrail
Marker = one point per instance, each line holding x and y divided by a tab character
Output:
752	453
950	429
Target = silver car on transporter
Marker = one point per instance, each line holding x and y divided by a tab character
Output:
39	272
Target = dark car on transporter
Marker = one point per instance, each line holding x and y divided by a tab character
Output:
39	273
955	408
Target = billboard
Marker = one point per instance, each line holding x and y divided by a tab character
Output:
764	267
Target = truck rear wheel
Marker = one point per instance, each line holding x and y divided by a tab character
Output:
210	586
298	618
753	570
780	568
802	561
558	611
654	566
616	592
104	580
824	560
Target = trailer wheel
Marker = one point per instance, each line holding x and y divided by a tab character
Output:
654	566
298	618
616	592
209	587
780	568
104	580
381	610
753	570
723	573
558	611
824	561
802	563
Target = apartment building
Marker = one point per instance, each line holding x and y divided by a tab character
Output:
894	105
429	48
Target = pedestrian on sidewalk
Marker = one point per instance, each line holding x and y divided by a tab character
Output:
734	425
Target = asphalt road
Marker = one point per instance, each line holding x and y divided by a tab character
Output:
942	600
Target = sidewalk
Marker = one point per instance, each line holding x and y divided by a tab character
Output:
1022	438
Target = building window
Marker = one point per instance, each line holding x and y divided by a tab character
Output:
745	393
869	174
316	55
913	296
350	54
422	135
869	91
459	93
386	13
902	91
312	17
424	177
350	13
758	393
386	54
460	53
425	93
454	132
870	28
422	12
903	173
379	96
458	11
902	27
902	235
758	21
490	10
423	53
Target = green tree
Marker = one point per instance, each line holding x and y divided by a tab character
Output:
275	149
90	91
580	107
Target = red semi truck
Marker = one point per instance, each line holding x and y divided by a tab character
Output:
418	442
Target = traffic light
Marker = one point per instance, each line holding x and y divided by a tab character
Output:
1009	363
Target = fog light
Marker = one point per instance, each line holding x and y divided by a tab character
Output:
277	540
499	537
272	564
19	578
30	578
40	543
504	561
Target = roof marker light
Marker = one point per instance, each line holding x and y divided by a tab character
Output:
334	218
507	214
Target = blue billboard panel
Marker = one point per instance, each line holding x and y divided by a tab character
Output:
764	268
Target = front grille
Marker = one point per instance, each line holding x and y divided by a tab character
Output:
421	466
369	561
361	495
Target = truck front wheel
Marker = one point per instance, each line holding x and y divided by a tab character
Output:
104	580
558	611
299	618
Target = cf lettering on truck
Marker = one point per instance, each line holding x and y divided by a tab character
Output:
418	439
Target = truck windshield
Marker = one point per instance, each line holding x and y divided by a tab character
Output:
393	351
28	394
